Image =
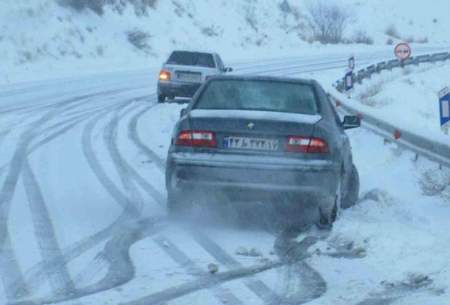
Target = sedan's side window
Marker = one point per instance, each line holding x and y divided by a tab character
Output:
219	63
329	107
335	114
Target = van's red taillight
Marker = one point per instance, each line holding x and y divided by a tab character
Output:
306	145
164	75
197	138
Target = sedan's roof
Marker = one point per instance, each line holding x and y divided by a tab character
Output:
193	52
263	78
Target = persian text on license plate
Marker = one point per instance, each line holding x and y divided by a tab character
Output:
251	143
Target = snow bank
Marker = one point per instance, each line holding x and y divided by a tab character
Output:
407	98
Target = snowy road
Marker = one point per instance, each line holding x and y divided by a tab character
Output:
83	221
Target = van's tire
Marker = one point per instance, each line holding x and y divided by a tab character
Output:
161	98
352	193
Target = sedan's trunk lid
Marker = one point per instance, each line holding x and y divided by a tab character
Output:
253	131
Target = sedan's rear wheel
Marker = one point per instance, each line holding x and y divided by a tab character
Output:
161	98
327	216
352	192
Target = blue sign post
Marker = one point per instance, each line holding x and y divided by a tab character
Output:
351	63
348	80
444	109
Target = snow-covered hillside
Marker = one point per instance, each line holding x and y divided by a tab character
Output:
53	41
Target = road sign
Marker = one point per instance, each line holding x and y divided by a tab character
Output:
348	80
402	51
351	63
444	109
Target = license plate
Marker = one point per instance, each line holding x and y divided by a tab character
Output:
250	143
190	77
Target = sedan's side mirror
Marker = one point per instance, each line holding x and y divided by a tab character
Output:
351	121
228	69
183	112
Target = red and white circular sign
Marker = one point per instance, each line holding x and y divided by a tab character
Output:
402	51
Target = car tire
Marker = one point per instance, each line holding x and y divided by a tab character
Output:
161	98
329	215
352	193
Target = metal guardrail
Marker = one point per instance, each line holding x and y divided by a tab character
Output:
367	73
433	150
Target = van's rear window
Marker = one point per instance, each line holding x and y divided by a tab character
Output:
191	59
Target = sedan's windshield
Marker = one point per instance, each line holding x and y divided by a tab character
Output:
259	95
184	58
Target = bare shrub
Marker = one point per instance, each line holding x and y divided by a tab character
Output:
390	41
250	17
211	31
139	39
409	39
392	32
422	40
98	6
362	37
328	21
285	7
140	6
25	57
79	5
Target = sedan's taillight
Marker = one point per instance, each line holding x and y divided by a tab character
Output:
306	145
196	138
164	75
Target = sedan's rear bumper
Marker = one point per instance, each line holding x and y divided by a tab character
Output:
264	174
179	89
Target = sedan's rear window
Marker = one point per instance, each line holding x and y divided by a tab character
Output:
258	95
191	59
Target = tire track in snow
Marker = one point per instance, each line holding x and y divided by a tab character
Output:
293	254
10	273
127	174
66	126
58	274
209	281
35	274
134	136
203	282
118	230
259	288
116	254
222	294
